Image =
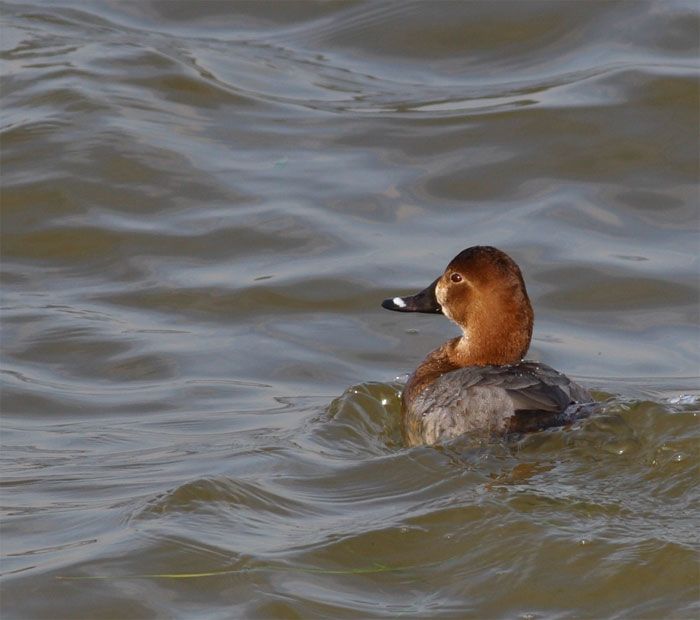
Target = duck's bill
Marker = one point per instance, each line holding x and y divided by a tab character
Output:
425	301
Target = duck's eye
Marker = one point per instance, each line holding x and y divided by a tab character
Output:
455	277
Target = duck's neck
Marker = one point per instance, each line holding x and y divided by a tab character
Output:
482	346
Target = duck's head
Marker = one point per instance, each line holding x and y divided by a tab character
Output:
482	291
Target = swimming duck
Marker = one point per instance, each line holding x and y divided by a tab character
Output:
478	382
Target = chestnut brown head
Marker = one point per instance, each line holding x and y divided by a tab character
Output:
482	290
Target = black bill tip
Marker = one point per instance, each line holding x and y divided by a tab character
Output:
397	303
425	301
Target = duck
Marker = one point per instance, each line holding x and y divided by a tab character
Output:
479	383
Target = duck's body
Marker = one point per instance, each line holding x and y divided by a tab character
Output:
479	383
521	397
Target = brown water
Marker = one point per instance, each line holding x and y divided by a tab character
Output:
203	205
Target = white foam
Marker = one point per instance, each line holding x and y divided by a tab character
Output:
684	399
399	302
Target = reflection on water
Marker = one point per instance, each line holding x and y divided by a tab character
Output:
203	205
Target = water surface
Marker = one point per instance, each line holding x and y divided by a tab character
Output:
203	205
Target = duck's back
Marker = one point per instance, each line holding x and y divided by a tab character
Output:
492	399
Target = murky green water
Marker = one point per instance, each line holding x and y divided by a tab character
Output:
203	205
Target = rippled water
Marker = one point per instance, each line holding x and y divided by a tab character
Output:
203	205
